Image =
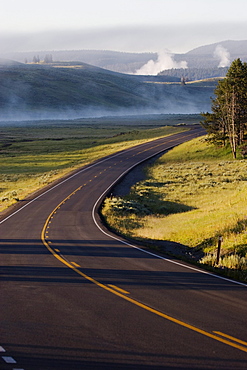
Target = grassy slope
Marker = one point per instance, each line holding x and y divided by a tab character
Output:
192	195
75	86
42	86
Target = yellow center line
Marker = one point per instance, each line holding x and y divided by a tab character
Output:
231	338
75	264
135	302
118	292
119	289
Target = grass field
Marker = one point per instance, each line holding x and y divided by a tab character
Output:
33	154
192	195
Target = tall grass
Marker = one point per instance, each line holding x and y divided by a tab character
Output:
192	195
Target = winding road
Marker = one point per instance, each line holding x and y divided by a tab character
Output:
76	296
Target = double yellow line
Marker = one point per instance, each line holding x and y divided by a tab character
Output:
220	337
216	335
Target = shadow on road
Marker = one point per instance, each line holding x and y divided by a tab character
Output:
90	255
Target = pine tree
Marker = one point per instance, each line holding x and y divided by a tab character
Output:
48	58
228	120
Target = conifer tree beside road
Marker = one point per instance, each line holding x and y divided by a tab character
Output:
228	121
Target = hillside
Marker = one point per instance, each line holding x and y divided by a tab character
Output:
211	56
78	89
112	60
208	61
235	48
203	58
193	74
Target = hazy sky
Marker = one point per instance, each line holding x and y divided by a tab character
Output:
122	25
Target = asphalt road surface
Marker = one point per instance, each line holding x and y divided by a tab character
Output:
75	296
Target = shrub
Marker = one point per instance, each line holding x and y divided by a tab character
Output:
232	261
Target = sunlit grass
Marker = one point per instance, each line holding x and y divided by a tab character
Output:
193	194
32	157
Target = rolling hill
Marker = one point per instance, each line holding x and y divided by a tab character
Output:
207	56
76	89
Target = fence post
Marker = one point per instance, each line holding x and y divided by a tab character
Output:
220	240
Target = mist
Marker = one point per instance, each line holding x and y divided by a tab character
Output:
18	117
223	55
163	99
42	92
164	61
167	99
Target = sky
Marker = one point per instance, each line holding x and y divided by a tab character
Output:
120	25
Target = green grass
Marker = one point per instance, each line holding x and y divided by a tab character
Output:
38	90
43	87
34	156
192	195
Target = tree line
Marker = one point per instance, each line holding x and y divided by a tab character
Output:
193	74
227	123
36	59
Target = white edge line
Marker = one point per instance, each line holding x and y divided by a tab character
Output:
109	235
143	250
62	182
78	173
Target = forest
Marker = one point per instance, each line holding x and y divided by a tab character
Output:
194	74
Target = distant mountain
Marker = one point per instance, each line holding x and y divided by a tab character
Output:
219	54
208	61
203	57
74	89
237	49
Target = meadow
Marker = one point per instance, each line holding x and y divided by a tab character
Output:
192	195
34	154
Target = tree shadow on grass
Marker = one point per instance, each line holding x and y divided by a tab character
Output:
146	202
169	207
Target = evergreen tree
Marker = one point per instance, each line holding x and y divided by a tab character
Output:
36	59
48	58
228	120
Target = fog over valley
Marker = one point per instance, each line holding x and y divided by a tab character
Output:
82	83
114	58
63	90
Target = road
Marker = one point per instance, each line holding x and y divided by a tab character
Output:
75	296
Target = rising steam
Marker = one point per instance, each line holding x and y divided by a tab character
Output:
223	55
164	61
